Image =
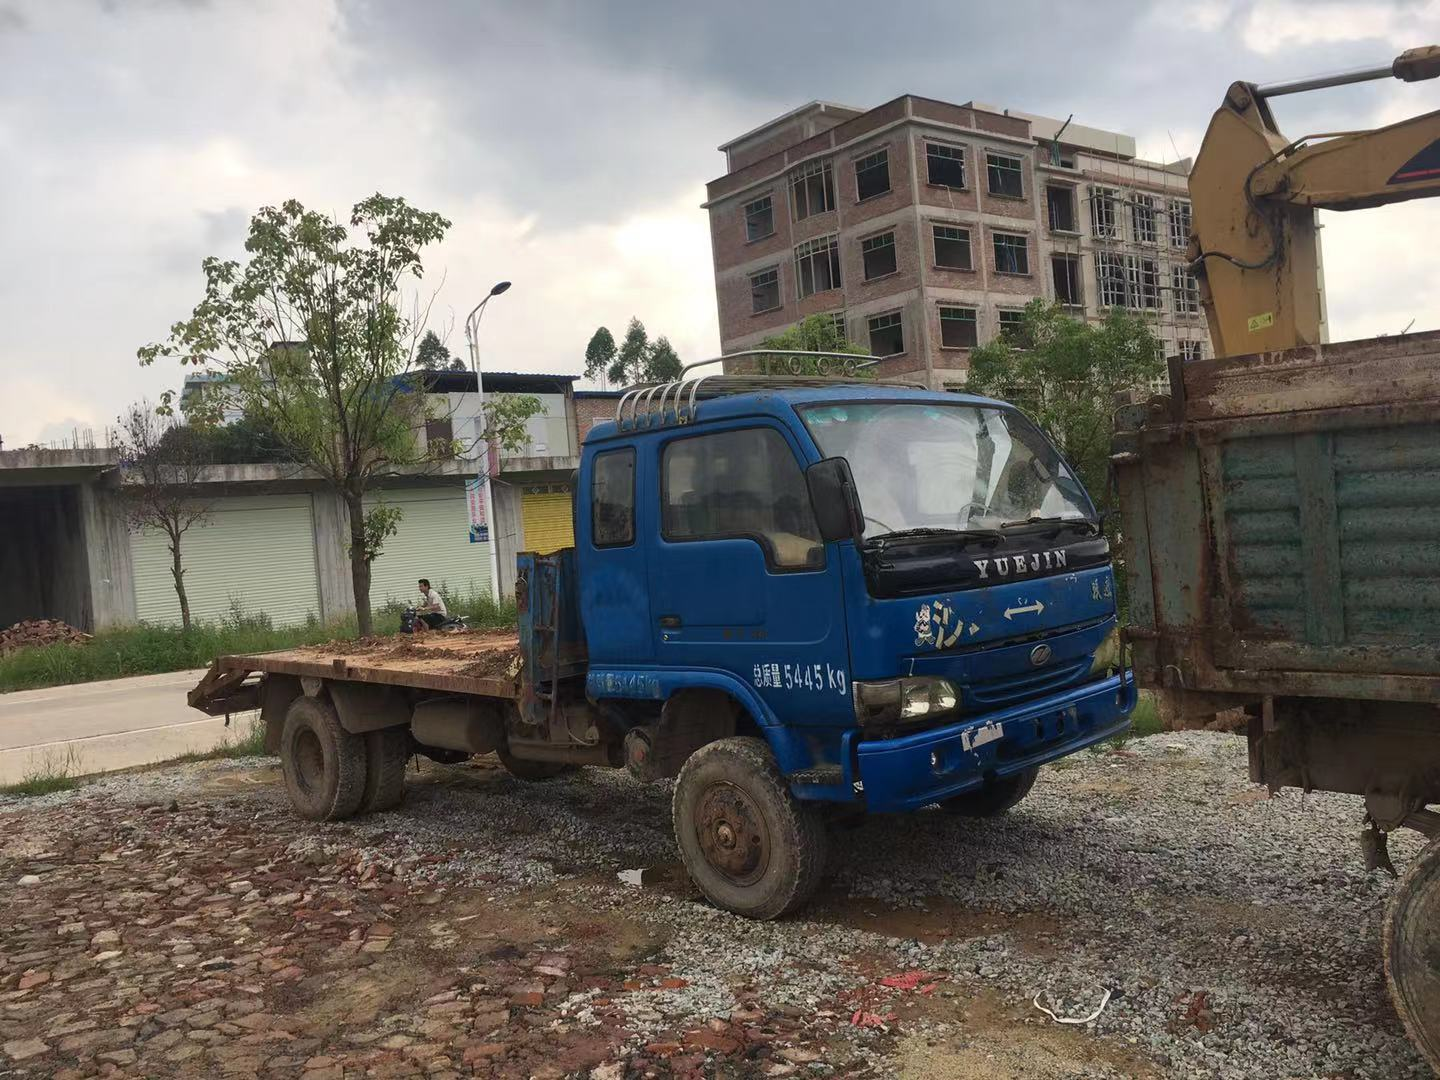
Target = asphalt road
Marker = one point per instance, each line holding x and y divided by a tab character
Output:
102	726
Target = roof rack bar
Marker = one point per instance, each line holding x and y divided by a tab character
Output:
855	360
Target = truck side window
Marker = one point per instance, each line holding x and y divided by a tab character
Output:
612	498
743	483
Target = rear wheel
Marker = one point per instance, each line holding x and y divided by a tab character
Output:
523	769
387	752
324	765
750	846
1412	952
994	798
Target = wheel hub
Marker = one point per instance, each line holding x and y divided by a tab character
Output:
732	833
309	759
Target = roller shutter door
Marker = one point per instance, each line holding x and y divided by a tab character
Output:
257	551
432	541
546	515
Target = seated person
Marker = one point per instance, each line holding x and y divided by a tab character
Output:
431	608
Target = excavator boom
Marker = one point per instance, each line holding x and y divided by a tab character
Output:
1255	192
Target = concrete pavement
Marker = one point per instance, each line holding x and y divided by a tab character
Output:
102	726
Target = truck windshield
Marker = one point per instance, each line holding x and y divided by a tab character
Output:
929	466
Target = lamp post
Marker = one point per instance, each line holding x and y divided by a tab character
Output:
472	325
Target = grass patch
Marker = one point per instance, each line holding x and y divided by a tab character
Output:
1145	720
152	650
55	771
250	744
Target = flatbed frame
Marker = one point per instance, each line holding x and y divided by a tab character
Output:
432	661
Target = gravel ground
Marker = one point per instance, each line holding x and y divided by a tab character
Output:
1238	936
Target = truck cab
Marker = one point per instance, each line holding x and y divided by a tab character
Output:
801	595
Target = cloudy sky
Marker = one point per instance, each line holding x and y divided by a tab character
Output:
569	142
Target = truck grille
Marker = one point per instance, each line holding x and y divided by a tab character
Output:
1007	688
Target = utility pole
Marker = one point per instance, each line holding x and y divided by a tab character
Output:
472	326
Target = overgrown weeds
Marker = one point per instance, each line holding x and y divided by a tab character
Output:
55	770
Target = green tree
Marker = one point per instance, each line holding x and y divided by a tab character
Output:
599	353
432	354
817	333
662	364
1065	374
637	360
311	337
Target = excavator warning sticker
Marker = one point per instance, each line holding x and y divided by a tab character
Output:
1260	322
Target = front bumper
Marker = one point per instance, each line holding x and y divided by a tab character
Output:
912	771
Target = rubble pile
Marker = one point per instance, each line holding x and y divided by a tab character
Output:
32	632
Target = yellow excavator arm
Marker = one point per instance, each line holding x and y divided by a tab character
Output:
1254	244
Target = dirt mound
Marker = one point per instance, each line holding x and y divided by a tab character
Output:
40	632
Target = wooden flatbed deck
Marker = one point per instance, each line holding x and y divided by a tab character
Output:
482	662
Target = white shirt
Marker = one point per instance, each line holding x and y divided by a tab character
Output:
434	603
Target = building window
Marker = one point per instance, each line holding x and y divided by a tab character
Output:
1110	276
1011	321
872	175
612	498
838	318
817	266
1186	291
879	255
945	165
814	189
1144	279
759	218
1005	174
887	336
958	328
1060	201
952	248
765	290
1065	270
1104	220
1192	350
743	484
1179	223
1143	216
1012	254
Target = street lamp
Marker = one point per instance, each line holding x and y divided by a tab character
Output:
472	325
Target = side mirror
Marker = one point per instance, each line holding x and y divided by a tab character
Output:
834	500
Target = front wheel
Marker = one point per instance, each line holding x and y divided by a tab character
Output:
749	845
994	798
1412	952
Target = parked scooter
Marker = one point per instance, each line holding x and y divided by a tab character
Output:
410	622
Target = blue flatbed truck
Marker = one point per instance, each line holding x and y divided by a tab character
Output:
799	597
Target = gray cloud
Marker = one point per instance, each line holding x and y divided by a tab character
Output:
568	141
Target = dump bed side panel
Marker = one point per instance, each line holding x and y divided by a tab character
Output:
1280	540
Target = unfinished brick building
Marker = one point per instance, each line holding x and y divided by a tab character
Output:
925	227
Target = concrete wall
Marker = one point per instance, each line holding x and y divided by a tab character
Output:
107	554
507	531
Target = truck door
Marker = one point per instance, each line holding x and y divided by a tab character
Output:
739	578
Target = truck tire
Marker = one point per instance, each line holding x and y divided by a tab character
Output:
324	765
994	798
749	845
1412	952
387	752
524	769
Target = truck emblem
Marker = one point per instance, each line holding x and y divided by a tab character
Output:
1040	655
1012	565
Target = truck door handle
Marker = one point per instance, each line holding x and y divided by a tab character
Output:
670	622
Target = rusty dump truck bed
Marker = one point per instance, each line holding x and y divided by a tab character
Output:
481	662
1282	521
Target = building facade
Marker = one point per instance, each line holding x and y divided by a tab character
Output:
275	539
924	228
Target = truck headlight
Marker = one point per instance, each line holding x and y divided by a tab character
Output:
902	700
1107	656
